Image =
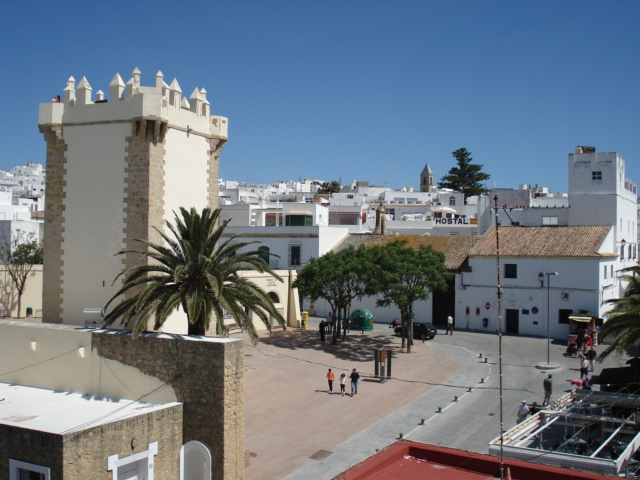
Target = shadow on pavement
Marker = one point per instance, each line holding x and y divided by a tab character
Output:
357	347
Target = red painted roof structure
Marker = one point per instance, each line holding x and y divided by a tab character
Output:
408	460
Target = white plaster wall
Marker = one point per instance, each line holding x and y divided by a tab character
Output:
314	241
60	357
329	237
186	172
240	215
93	216
31	297
289	308
579	278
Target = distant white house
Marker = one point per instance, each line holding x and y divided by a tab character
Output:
546	273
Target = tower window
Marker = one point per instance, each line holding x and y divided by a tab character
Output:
596	175
452	200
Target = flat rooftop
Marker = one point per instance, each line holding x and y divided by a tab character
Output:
406	459
62	412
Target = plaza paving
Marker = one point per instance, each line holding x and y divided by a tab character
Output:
294	429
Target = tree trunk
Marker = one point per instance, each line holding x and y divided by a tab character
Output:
197	328
410	332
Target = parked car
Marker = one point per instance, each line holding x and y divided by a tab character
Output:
421	331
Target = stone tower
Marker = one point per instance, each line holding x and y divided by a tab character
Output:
426	179
116	169
381	220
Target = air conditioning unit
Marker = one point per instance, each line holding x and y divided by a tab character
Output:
564	295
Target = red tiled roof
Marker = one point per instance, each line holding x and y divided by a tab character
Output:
455	247
544	242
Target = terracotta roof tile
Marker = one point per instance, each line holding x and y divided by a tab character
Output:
544	242
455	247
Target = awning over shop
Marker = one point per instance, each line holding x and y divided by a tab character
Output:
443	210
583	317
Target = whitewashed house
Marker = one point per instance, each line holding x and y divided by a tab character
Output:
579	272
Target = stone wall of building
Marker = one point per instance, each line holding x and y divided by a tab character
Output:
215	148
30	446
54	226
84	451
207	376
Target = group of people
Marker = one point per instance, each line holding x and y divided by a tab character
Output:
582	342
525	410
328	326
586	363
354	376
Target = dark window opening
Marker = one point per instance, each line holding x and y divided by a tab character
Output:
563	315
510	270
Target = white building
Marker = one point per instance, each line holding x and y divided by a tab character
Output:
292	246
584	259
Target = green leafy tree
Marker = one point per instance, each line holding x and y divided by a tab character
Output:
328	188
467	177
198	270
338	277
623	320
19	253
401	275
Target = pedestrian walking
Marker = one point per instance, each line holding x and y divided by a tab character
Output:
330	377
591	356
343	384
355	376
584	367
534	409
330	319
579	342
449	325
523	410
548	389
323	326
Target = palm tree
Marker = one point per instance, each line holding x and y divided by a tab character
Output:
623	321
196	270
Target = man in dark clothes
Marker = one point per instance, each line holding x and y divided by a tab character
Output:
355	376
323	326
548	389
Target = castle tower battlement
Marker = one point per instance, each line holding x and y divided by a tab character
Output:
132	100
117	169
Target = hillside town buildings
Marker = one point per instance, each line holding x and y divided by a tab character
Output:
115	172
561	253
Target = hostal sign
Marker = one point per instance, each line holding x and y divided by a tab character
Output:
452	221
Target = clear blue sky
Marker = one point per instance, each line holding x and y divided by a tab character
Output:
352	89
